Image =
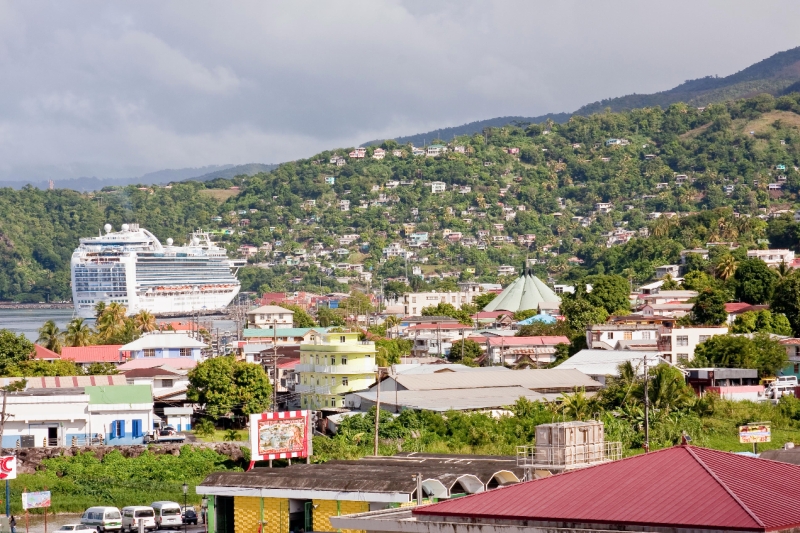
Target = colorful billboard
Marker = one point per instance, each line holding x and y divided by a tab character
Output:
8	467
281	435
754	433
32	500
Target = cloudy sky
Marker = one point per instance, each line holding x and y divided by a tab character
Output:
116	89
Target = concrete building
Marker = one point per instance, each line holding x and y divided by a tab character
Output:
608	335
79	415
772	258
600	364
307	496
678	344
332	365
415	302
269	316
672	271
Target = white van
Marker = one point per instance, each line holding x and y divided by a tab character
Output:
131	516
102	518
168	514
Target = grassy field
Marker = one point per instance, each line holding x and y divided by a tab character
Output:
220	435
765	121
219	194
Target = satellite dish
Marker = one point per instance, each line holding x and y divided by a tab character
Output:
169	241
108	228
195	240
125	227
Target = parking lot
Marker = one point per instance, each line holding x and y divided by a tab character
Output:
36	524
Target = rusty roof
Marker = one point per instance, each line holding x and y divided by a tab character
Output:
678	487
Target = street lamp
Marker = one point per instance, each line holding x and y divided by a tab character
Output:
185	488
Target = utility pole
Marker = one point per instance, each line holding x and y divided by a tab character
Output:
2	428
646	410
274	366
378	409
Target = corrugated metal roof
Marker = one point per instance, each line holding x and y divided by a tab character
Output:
606	362
57	382
163	340
528	341
104	353
682	486
532	379
123	394
458	400
40	352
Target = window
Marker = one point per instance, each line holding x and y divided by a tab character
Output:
628	335
682	340
683	358
186	352
344	360
149	352
342	338
610	335
333	360
797	368
117	429
596	336
704	338
646	335
167	383
345	381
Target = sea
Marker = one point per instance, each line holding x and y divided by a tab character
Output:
28	321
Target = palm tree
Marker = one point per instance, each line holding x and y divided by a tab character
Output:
112	321
391	322
145	321
726	267
577	406
78	333
783	270
50	336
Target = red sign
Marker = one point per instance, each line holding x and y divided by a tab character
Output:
8	467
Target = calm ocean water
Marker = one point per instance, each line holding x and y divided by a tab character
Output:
28	321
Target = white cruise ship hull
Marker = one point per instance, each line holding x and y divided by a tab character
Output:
164	305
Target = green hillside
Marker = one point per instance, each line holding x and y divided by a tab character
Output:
714	166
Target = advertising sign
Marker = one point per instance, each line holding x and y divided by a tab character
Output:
754	433
32	500
281	435
8	467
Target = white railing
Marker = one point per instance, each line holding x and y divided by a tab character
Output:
573	456
303	388
346	369
322	389
304	368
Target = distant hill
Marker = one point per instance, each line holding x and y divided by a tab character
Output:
776	75
445	134
250	169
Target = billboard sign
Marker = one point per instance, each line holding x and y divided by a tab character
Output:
754	433
33	500
8	467
280	435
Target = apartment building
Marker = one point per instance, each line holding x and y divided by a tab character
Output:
414	302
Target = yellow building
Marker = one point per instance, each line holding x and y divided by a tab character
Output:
331	365
307	496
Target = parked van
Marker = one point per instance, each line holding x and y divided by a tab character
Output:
131	516
102	518
168	514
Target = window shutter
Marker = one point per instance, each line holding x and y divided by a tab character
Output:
121	428
112	434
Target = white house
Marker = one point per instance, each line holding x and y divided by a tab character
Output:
678	344
772	258
267	315
165	345
379	153
437	187
413	302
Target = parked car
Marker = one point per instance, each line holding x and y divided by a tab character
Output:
131	516
77	528
102	519
168	515
190	517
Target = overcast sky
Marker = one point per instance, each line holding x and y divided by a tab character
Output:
116	89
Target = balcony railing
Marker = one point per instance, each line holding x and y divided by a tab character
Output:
568	457
346	369
304	368
303	388
322	389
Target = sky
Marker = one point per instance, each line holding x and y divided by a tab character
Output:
117	89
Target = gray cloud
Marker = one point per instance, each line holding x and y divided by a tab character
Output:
114	88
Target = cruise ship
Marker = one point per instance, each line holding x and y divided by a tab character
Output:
131	267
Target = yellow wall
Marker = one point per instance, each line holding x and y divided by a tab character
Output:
247	513
327	508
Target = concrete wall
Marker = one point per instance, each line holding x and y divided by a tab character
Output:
102	420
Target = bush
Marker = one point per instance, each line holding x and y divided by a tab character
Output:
204	428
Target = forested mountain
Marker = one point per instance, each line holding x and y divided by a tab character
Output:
776	75
230	171
681	175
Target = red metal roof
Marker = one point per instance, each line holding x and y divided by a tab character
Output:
40	352
682	486
736	307
105	353
528	341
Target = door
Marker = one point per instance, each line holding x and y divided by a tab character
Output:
309	510
52	436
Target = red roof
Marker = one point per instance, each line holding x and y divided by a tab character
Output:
40	352
438	326
105	353
736	307
528	341
682	487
